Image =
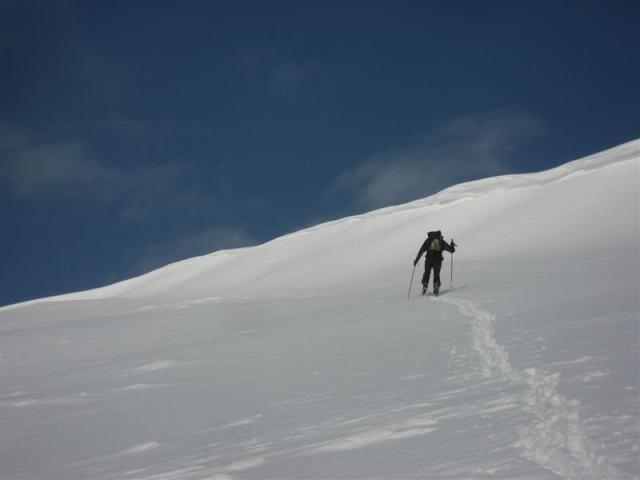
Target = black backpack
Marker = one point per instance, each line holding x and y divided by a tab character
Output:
435	242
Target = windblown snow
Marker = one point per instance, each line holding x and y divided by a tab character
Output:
303	358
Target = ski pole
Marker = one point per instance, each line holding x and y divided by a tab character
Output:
451	280
453	244
411	282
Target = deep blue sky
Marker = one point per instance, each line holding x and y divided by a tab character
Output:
135	133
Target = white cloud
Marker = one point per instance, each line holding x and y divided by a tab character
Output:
29	168
293	75
278	71
192	244
465	148
132	128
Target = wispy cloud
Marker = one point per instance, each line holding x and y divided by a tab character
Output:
465	148
33	169
28	168
192	244
131	127
295	75
279	72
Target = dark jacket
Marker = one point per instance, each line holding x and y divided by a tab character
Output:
434	255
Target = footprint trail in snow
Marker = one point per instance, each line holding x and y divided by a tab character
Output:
556	439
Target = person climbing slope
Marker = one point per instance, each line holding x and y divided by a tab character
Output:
434	245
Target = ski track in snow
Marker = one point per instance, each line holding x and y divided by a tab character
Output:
556	440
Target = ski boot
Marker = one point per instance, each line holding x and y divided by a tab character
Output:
436	290
424	290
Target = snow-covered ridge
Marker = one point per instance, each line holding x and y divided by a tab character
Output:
468	190
392	232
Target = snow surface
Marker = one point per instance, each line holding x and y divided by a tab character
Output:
302	358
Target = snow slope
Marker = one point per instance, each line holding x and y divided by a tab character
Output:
302	358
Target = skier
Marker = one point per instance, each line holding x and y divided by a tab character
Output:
434	245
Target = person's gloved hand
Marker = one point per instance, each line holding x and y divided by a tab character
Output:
415	262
